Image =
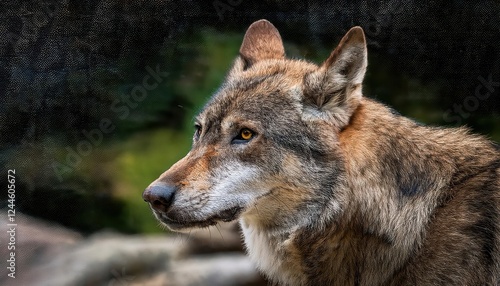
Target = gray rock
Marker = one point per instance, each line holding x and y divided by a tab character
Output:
52	255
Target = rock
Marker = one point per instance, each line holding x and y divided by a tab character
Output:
34	239
221	269
52	255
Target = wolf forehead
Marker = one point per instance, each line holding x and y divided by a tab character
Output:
267	87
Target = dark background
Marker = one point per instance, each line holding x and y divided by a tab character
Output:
68	68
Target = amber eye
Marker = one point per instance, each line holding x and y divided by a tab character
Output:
246	134
197	131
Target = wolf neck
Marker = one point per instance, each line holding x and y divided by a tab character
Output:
270	239
269	253
389	159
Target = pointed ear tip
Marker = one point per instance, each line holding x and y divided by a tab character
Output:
261	24
262	41
262	27
261	21
357	33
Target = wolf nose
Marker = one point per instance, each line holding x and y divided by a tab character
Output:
159	196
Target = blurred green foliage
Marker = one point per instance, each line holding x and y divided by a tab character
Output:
203	60
104	190
142	158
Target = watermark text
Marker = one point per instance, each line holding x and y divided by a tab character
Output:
471	103
11	224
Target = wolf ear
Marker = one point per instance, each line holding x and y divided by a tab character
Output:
262	41
334	89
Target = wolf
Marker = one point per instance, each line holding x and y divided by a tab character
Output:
331	187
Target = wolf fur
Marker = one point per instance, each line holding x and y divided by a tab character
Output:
334	188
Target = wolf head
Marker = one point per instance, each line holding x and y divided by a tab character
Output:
266	144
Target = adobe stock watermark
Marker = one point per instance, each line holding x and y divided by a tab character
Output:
11	223
471	103
223	6
122	108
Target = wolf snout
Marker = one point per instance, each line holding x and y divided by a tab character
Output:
159	196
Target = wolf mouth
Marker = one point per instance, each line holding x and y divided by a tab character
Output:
177	224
